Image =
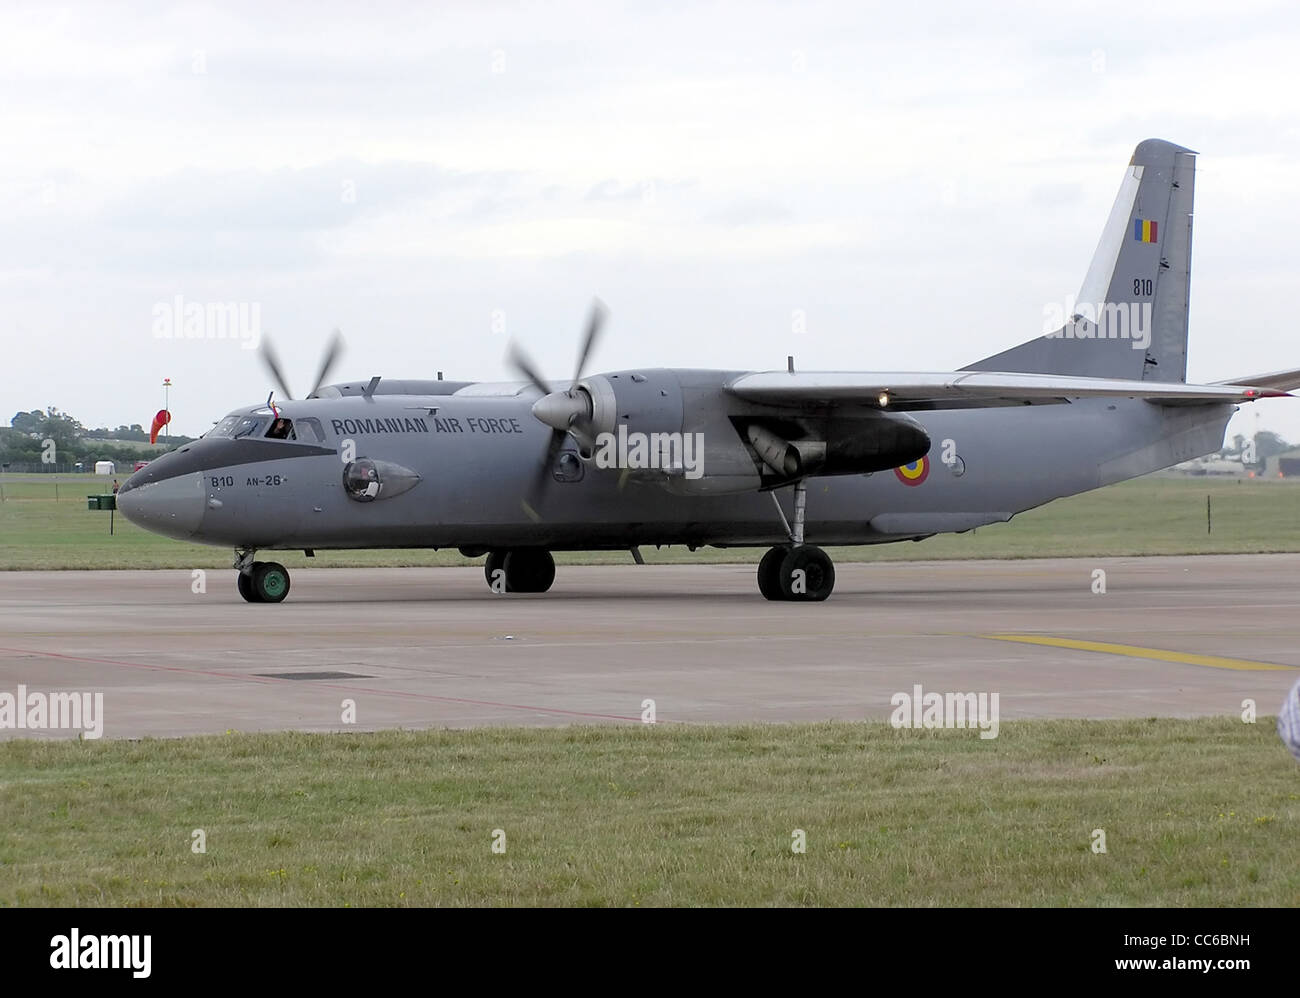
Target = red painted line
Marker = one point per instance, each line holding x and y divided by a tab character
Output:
429	697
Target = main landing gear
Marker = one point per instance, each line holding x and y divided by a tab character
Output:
261	581
519	570
796	572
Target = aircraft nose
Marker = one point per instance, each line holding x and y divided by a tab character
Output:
173	507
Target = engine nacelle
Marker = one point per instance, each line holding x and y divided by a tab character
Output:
841	445
857	445
680	419
683	431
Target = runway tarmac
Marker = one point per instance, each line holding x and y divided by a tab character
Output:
426	648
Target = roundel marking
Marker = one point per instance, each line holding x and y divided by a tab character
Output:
914	473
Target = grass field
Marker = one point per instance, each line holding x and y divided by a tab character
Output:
1196	812
1148	516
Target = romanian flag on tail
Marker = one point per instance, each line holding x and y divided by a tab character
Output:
1144	230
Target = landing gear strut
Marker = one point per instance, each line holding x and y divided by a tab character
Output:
519	570
796	572
260	581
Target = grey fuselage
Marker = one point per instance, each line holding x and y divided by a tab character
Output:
472	456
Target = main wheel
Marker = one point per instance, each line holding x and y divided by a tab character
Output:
270	581
496	562
806	574
244	583
529	570
768	582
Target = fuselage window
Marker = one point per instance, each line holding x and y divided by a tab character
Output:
361	480
281	429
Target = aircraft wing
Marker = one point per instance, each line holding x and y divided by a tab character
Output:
972	389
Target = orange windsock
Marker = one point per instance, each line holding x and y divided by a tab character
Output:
160	419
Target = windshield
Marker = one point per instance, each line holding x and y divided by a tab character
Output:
225	427
248	426
239	426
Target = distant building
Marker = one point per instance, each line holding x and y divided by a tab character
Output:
1213	465
1285	465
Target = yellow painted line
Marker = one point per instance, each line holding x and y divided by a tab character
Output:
1132	651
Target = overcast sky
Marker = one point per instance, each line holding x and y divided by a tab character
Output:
917	181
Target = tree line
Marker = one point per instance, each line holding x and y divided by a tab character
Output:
24	441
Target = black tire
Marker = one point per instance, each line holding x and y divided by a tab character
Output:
817	580
244	583
769	584
496	562
529	570
270	581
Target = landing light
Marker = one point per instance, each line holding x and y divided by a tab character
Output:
883	399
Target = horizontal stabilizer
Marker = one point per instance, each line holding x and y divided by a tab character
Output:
1282	381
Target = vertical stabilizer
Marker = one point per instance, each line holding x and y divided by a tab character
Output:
1129	319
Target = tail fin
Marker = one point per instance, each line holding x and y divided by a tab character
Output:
1130	318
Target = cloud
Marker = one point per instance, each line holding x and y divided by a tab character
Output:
917	184
750	211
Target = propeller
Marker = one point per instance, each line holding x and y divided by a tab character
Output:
332	353
271	359
595	322
566	412
272	362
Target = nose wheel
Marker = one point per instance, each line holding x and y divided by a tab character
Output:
796	572
261	581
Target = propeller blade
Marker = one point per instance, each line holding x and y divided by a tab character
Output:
521	362
272	363
594	325
568	413
532	499
332	353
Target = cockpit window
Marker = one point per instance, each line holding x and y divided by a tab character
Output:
225	427
281	429
248	427
309	429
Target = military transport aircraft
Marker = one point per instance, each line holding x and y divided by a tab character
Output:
697	457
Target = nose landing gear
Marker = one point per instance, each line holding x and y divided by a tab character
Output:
796	572
260	581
